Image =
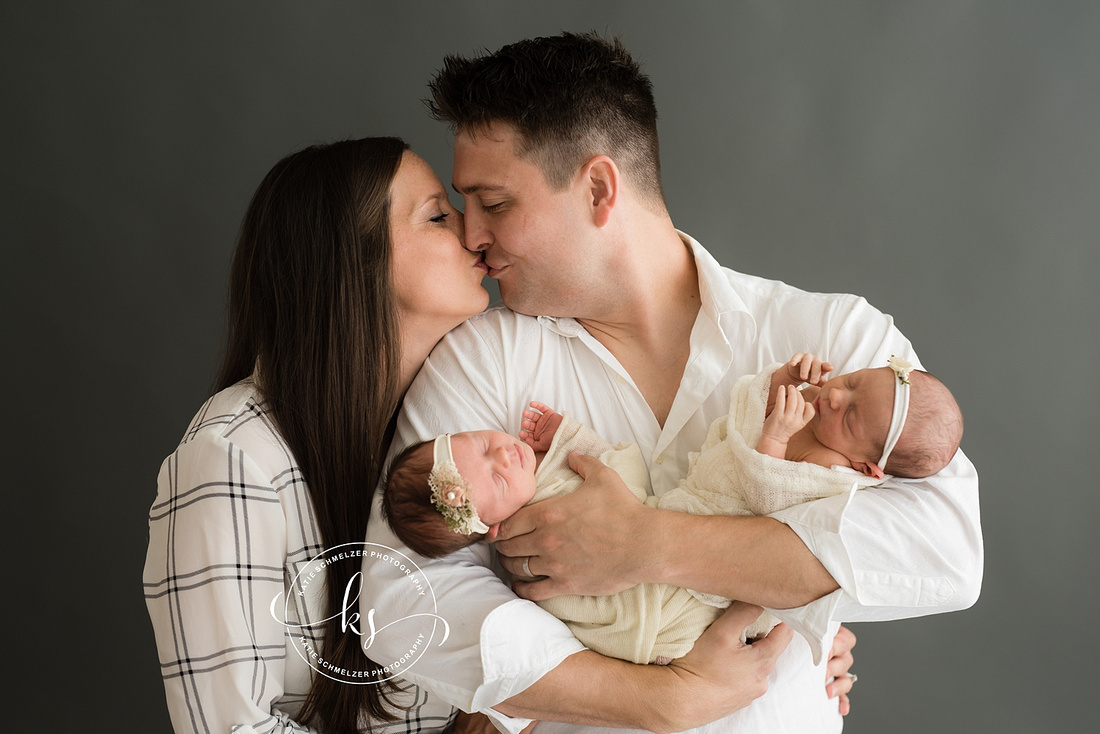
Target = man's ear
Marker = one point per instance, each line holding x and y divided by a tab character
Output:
600	181
869	468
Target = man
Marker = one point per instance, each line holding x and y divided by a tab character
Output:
635	330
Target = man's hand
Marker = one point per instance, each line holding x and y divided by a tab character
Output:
838	677
540	423
592	541
723	671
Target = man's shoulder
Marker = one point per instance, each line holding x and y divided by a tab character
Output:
498	331
766	293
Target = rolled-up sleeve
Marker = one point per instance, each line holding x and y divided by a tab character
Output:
904	549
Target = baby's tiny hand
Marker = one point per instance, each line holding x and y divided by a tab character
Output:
540	423
790	414
808	368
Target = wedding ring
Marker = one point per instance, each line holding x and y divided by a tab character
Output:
854	678
527	568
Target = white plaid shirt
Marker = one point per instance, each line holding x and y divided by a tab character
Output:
231	527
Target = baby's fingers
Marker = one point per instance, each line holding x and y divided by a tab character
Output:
818	371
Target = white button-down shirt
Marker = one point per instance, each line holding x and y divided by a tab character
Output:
899	550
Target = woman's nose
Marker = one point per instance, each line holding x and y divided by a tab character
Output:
459	225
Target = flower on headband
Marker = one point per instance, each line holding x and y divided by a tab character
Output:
450	493
901	368
453	496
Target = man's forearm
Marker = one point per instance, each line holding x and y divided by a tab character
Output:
718	676
614	693
754	559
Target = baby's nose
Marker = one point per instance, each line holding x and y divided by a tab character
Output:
837	398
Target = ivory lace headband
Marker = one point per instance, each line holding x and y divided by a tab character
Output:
901	368
451	491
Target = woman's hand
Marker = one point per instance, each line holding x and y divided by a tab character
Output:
838	675
592	541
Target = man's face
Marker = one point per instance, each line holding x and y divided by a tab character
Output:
533	237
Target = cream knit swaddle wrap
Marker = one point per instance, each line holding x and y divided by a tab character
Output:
726	477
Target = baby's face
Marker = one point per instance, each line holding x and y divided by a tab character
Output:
853	411
500	469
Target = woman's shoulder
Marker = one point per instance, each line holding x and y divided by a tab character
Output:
237	420
225	411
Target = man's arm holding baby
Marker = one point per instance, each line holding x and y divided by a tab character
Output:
718	676
576	558
902	550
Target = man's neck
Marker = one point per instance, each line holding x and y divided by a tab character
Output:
649	328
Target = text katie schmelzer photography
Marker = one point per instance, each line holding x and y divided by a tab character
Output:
416	626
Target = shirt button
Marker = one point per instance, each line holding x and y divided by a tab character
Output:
661	459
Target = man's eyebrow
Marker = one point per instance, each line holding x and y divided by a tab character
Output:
476	188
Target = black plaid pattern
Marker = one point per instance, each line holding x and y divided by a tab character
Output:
230	529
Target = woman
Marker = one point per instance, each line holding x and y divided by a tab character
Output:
349	268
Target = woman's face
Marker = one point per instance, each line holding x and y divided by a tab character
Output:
436	280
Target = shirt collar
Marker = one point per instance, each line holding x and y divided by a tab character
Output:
715	293
714	287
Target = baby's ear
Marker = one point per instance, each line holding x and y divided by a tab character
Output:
869	468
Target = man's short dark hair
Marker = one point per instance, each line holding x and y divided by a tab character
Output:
569	97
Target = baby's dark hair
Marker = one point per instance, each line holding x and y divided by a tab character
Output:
933	429
407	506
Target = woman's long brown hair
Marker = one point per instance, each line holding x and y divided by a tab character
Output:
311	309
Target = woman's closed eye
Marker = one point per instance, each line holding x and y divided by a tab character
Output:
440	218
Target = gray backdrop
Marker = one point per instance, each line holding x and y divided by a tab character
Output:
937	158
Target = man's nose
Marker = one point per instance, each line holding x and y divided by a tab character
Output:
477	237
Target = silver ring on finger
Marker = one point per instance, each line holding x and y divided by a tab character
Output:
527	568
854	678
